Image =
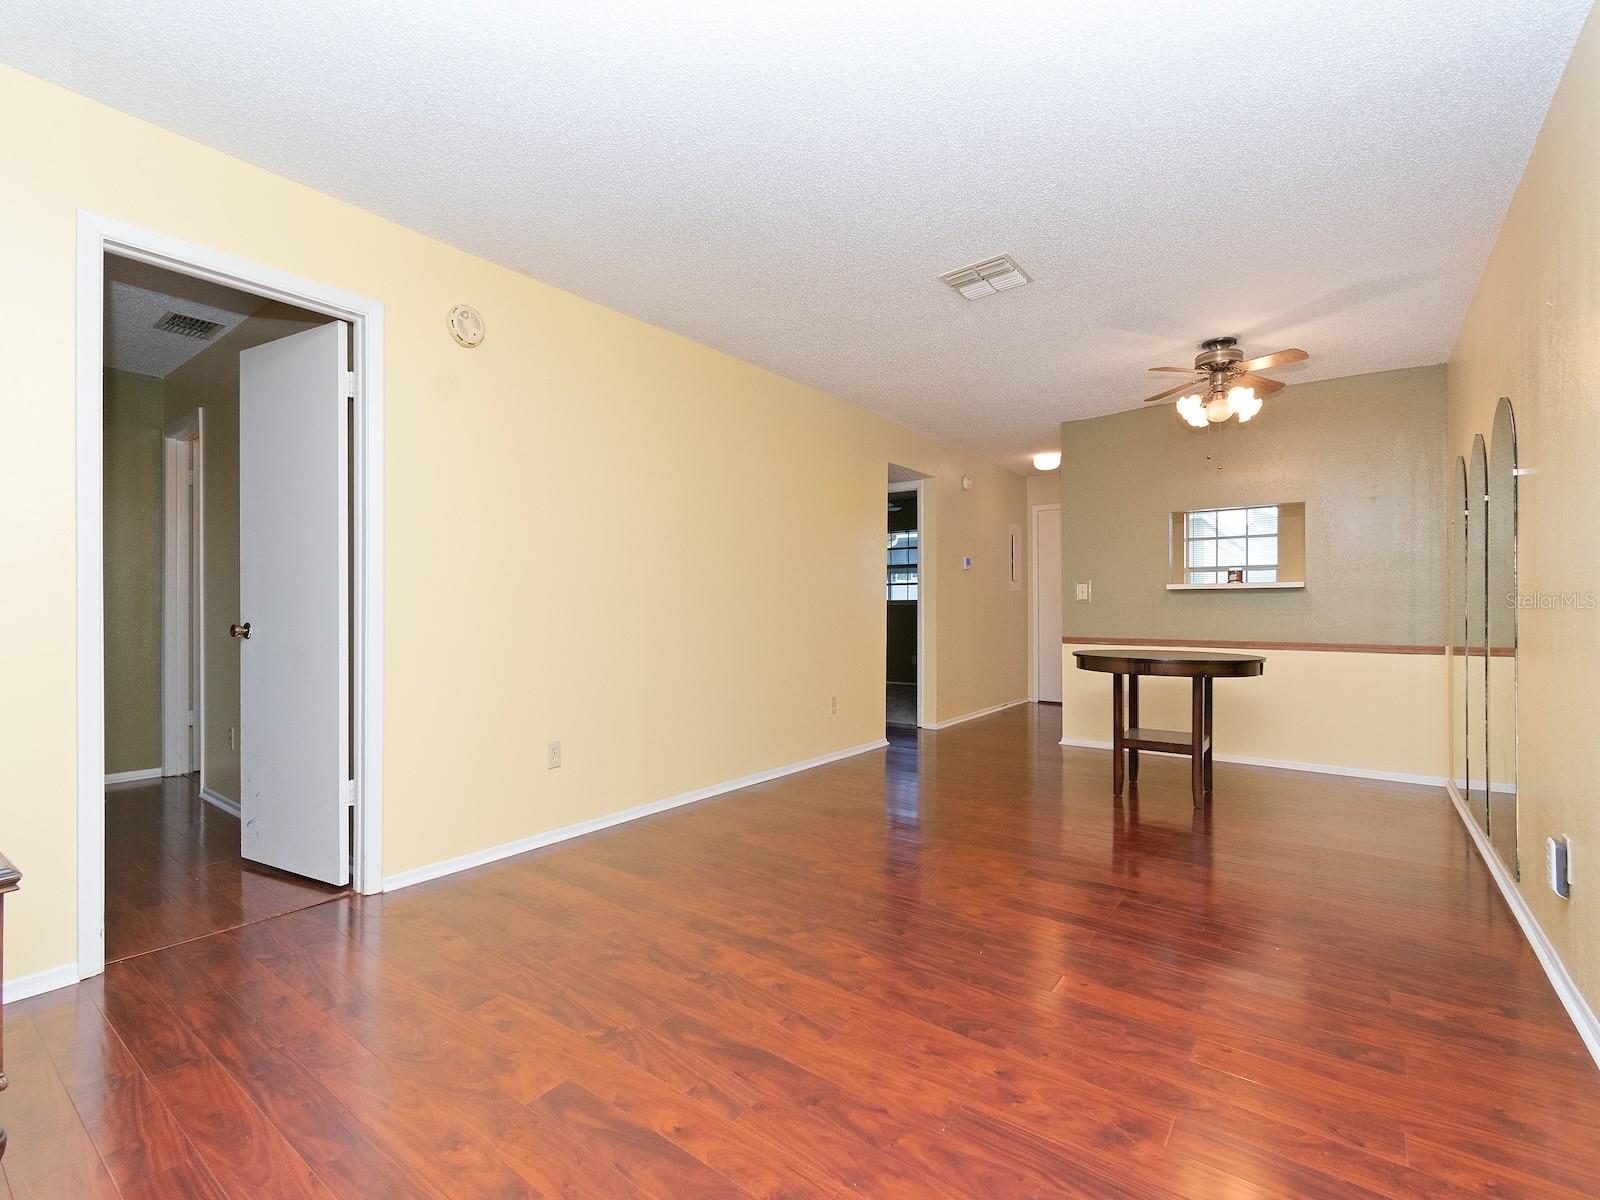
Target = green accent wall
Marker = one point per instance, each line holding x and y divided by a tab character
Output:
1365	453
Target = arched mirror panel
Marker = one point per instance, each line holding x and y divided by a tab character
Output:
1502	635
1477	633
1457	633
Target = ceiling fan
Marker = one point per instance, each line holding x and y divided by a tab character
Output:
1225	383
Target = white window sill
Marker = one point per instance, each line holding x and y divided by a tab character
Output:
1234	587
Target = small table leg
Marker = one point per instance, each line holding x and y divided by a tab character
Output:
1133	723
1197	733
1211	741
1116	735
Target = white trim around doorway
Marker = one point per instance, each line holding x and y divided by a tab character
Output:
98	236
1033	597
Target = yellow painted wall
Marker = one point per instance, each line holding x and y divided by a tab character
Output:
1532	333
598	531
133	504
1367	712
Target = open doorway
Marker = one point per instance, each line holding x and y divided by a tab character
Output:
1047	603
230	565
178	449
903	603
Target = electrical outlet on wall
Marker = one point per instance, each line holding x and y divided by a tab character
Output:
233	738
1558	866
1083	592
833	706
552	756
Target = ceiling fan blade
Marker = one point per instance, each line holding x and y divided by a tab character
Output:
1267	361
1181	370
1186	386
1262	385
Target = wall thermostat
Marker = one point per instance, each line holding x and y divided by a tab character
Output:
466	325
1556	867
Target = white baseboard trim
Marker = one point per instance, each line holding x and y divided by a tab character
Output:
40	982
973	716
133	776
1284	764
478	858
218	800
1566	990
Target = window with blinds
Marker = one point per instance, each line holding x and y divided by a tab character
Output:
1219	540
903	564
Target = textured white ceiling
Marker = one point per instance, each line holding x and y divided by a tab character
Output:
138	295
784	180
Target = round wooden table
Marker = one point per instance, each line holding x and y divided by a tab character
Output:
1202	666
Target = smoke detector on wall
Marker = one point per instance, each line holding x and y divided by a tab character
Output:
986	278
466	325
187	326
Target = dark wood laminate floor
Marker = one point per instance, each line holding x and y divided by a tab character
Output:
959	973
173	870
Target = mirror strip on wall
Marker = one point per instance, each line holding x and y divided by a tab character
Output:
1502	637
1477	633
1483	611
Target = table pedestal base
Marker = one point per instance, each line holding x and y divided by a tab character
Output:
1128	737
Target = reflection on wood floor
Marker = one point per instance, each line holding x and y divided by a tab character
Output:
173	870
952	968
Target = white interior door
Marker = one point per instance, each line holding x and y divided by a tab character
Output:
1047	573
294	587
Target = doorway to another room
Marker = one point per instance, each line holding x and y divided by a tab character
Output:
227	501
1047	603
902	599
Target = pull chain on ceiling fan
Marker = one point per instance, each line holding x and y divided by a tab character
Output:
1225	384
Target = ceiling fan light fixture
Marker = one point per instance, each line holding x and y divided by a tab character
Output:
1192	408
1228	385
1244	403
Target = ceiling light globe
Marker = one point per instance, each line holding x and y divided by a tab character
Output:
1192	409
1244	402
1217	410
1047	460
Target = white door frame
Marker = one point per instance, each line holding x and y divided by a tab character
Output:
183	596
1033	597
924	710
97	237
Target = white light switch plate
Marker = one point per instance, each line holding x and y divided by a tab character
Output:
1083	592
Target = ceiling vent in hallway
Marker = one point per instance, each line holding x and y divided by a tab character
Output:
186	326
986	278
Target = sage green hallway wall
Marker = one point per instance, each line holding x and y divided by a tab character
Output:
132	423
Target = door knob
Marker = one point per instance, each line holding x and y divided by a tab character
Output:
239	631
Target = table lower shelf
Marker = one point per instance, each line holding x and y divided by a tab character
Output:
1163	741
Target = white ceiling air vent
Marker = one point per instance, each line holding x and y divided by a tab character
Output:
986	278
186	326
